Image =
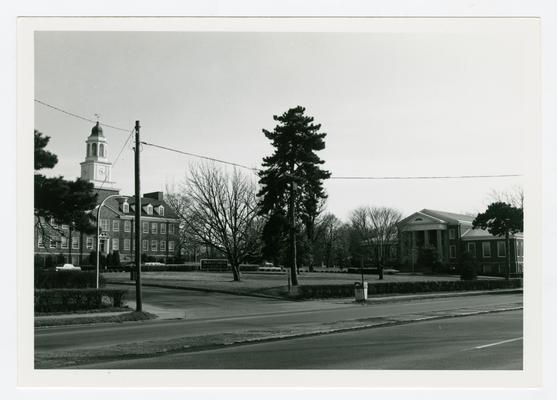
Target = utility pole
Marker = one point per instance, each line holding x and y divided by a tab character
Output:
138	301
293	265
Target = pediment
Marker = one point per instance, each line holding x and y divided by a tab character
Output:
419	218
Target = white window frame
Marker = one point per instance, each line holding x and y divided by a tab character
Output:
115	244
483	249
145	245
51	243
149	209
452	251
452	234
105	225
64	226
125	207
504	245
171	245
163	228
471	244
154	245
40	241
162	245
154	228
171	229
127	225
115	225
126	244
89	244
63	242
145	227
160	210
75	242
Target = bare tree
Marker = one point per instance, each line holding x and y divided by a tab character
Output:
513	196
219	210
383	221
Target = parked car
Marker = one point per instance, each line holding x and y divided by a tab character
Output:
68	267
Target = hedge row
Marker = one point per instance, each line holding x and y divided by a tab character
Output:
49	279
60	300
347	290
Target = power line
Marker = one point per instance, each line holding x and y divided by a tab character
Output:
200	156
117	158
78	116
339	177
257	170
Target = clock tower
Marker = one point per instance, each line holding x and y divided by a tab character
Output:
96	168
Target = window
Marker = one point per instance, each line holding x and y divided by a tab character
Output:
452	234
163	228
154	227
133	244
153	245
149	209
519	248
115	244
501	249
53	223
40	241
125	207
127	244
171	229
88	151
146	227
64	226
163	245
127	226
75	243
145	245
452	251
94	149
486	249
101	150
52	243
116	225
472	249
104	225
171	245
64	242
160	210
89	243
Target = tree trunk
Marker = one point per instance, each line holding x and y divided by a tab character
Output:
508	248
293	266
70	245
236	271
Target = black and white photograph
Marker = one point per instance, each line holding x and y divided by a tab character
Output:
295	195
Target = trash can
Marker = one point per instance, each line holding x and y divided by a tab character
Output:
360	291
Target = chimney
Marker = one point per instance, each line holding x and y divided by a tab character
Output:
154	195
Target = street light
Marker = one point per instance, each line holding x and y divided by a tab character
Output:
99	230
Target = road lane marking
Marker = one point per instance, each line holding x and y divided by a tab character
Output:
498	343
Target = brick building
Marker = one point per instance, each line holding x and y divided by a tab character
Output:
449	235
117	217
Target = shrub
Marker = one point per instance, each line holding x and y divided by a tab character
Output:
468	267
48	262
49	279
347	290
61	300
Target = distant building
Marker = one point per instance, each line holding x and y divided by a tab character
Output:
159	222
449	235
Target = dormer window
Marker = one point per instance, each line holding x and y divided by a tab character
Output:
160	210
125	207
149	209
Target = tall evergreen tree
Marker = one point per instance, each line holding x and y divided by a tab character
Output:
66	202
291	177
501	219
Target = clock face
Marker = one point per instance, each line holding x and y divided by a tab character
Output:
102	171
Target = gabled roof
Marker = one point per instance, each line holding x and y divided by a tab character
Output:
476	234
452	218
115	204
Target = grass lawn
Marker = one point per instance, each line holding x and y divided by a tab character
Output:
259	283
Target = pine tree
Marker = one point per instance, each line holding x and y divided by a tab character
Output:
291	179
66	202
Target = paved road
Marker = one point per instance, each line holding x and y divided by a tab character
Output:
75	337
488	342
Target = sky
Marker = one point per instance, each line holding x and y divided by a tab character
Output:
392	104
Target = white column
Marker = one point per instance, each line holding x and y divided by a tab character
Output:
426	238
439	246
